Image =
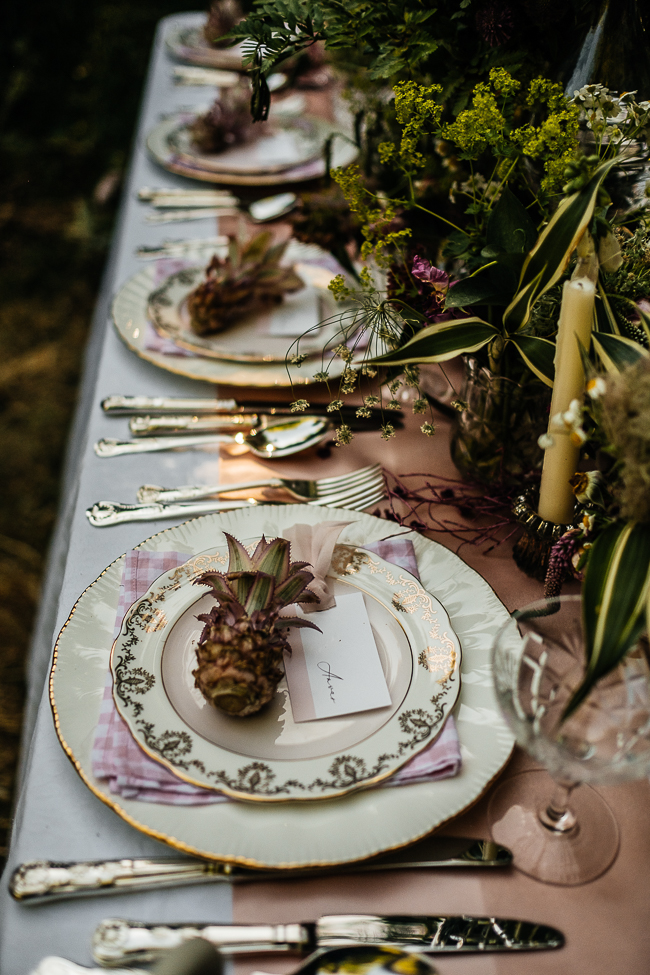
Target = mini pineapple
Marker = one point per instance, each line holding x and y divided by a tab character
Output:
241	647
249	278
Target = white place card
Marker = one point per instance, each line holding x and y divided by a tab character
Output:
338	671
298	311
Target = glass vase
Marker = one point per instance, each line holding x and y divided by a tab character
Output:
495	439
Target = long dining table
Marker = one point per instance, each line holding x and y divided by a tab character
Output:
606	923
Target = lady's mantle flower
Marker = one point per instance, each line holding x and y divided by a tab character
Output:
343	435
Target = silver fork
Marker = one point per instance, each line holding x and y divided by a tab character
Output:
301	490
106	513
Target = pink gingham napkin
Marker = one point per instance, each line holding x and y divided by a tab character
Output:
153	342
118	759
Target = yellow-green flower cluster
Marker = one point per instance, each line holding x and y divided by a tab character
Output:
554	141
419	114
374	216
484	124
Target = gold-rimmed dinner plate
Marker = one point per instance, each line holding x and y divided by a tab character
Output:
270	757
304	140
291	834
131	310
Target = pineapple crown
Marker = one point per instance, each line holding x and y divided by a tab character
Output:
259	585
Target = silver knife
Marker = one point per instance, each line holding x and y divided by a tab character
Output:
116	941
117	405
153	426
44	881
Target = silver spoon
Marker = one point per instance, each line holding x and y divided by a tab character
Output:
281	438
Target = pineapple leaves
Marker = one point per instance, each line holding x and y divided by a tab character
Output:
267	579
615	597
240	560
218	582
261	587
272	557
284	622
289	591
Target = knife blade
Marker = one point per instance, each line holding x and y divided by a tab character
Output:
117	405
116	941
44	881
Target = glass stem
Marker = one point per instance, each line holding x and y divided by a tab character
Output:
557	816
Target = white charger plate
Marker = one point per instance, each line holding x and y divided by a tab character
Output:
312	761
291	835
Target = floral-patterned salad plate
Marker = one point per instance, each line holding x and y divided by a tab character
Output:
310	313
270	757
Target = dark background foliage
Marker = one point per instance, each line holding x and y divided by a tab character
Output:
71	82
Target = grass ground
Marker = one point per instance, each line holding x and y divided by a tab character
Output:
71	75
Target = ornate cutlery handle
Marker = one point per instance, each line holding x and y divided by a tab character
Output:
113	448
191	492
146	426
116	941
126	405
105	513
45	878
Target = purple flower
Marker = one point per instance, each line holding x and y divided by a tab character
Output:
433	287
424	271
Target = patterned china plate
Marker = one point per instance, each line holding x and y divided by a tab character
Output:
289	834
169	145
269	757
131	318
240	342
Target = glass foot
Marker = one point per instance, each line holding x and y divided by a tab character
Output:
573	857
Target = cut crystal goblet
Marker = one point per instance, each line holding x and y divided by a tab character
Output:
560	833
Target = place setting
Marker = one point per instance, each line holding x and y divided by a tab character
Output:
163	312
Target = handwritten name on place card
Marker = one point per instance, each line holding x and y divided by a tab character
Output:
338	671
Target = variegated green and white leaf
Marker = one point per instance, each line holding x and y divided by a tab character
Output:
609	316
538	354
549	257
442	341
614	600
617	352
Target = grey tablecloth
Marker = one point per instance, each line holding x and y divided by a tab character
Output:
57	817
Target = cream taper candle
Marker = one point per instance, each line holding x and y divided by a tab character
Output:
556	498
